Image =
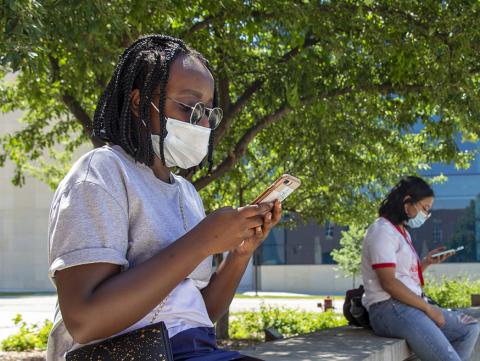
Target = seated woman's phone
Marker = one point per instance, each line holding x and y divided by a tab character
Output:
448	251
279	190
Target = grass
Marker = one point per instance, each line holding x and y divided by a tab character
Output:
26	294
237	295
315	297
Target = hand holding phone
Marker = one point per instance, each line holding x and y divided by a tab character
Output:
279	190
448	251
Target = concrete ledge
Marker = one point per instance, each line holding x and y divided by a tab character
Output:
474	312
342	343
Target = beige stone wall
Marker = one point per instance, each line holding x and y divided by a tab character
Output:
23	227
323	279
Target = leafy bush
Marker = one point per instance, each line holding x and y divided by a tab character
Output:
349	255
287	321
452	292
30	337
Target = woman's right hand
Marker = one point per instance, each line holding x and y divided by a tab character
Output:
436	315
227	227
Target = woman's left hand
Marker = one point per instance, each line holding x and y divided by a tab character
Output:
428	260
270	220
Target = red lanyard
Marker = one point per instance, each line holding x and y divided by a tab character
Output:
408	240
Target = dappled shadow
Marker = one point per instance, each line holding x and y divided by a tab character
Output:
343	343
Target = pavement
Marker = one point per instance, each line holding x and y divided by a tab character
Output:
342	343
37	308
33	308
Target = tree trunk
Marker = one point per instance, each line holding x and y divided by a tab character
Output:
221	327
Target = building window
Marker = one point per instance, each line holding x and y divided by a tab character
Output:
273	249
437	231
328	230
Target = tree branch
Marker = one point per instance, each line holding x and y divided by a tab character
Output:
235	109
197	27
223	92
241	147
209	19
255	86
222	73
78	112
309	41
257	178
75	108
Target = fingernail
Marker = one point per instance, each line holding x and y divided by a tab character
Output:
269	216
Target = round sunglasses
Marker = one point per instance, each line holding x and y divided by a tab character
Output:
199	110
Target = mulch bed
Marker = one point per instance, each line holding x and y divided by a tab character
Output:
236	344
23	356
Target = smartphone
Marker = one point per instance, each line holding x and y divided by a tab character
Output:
453	250
279	190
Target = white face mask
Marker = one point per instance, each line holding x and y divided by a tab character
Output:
185	145
418	220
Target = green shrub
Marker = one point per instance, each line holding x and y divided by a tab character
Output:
452	292
289	322
30	337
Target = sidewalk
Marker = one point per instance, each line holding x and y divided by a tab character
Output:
37	308
305	304
33	308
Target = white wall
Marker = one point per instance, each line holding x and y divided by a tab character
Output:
323	280
23	224
23	227
312	279
472	270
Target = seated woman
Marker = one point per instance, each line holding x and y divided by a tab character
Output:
393	280
129	242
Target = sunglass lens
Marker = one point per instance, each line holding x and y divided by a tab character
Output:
197	113
216	115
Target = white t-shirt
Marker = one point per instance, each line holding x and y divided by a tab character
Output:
112	209
385	246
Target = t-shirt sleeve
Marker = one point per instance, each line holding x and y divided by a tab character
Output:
382	249
87	225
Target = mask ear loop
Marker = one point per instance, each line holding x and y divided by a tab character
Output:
155	107
158	111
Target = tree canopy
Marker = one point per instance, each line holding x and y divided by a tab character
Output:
328	91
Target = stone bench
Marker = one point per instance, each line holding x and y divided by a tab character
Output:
341	343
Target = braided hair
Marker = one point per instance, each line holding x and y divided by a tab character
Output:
143	66
393	206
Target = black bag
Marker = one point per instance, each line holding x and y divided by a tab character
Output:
147	343
353	309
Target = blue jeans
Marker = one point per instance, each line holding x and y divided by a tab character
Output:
454	341
200	344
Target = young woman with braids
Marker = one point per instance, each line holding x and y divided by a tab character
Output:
393	280
130	244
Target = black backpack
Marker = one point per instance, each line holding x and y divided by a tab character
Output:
353	310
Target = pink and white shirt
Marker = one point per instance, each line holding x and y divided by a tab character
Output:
385	245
